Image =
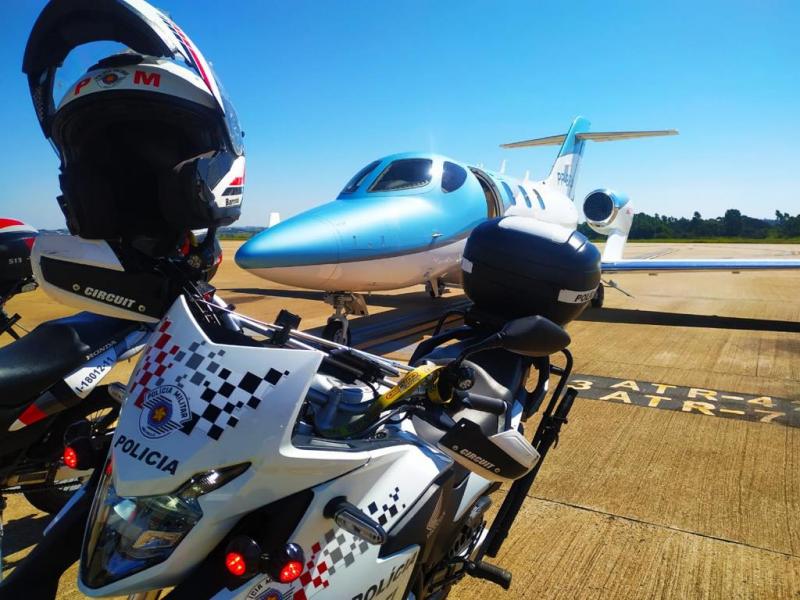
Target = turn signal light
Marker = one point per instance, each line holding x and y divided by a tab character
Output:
70	457
244	558
235	564
290	571
80	450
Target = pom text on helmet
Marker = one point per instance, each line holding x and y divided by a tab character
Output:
145	78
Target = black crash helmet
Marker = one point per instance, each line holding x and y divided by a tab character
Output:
150	145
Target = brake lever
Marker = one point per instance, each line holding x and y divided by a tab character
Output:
436	417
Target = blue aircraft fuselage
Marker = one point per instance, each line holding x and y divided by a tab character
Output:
402	220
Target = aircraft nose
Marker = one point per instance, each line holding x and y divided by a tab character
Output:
295	242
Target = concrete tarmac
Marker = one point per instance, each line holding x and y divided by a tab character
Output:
635	501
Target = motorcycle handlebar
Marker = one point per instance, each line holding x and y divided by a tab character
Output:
495	406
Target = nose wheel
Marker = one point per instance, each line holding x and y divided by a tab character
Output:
435	288
337	330
344	304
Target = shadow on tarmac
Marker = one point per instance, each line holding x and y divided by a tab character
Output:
651	317
390	300
19	534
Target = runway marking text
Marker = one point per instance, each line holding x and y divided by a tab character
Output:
709	402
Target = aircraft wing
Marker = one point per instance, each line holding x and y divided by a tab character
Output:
733	265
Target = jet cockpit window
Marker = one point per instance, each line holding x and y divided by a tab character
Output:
404	174
453	177
509	192
525	195
359	177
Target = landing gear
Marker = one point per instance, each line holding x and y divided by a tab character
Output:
435	288
599	296
344	304
337	330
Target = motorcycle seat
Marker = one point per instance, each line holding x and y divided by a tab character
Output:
50	352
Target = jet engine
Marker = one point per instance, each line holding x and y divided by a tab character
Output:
608	212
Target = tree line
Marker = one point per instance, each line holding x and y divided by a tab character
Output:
733	225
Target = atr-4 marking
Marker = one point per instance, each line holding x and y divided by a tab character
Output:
712	403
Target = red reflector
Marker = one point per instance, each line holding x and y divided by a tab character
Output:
70	457
235	563
291	571
236	181
109	468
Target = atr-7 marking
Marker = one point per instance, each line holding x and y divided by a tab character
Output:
703	401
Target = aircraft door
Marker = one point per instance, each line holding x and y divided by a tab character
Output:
494	202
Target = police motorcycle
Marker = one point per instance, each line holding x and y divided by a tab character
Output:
49	379
252	460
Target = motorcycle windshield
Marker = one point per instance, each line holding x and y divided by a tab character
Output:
199	415
131	25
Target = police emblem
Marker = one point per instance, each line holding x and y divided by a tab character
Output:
165	409
110	78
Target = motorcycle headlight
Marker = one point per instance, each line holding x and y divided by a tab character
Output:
128	535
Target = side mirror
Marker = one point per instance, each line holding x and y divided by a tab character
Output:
530	336
533	336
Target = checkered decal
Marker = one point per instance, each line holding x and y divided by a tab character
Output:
218	396
338	549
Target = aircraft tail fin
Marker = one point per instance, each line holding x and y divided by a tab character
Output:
565	168
274	219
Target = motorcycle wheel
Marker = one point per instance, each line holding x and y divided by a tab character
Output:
102	411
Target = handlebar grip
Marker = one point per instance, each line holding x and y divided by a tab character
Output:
484	403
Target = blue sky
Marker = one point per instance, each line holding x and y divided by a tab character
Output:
322	88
